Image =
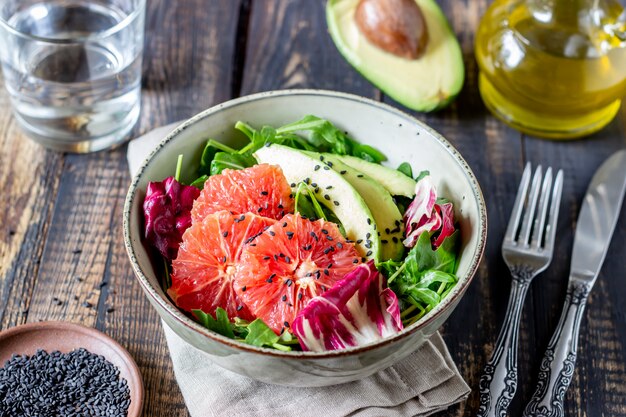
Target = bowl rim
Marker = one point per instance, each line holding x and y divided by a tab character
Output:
182	319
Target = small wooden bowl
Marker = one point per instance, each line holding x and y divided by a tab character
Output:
65	337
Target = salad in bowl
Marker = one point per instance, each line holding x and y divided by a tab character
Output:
301	239
304	250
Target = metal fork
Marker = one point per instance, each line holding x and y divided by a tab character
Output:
527	250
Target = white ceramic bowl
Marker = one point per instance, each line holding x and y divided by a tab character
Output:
400	137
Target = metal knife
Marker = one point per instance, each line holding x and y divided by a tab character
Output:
596	223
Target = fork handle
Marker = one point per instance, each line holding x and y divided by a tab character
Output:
499	380
557	366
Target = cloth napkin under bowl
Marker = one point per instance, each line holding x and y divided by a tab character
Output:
422	384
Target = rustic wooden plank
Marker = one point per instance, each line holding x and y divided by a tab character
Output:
84	274
289	47
598	387
29	180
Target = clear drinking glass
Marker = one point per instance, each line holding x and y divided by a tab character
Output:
73	69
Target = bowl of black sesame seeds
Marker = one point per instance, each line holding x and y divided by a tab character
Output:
65	369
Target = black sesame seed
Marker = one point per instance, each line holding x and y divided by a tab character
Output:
225	234
243	288
239	307
299	296
285	224
326	272
368	244
317	190
397	222
266	258
78	383
282	255
259	209
325	231
287	259
326	196
369	221
264	193
355	261
223	259
343	172
329	238
364	259
280	206
360	175
322	158
326	168
272	233
242	218
307	180
395	239
289	235
286	324
306	247
340	245
275	257
284	298
358	242
314	236
368	235
314	184
293	184
330	187
288	282
384	241
336	203
369	253
316	168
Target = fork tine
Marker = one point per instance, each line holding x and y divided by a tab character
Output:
542	210
529	215
516	215
554	211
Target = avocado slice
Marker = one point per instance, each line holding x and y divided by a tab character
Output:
342	198
393	180
428	83
388	219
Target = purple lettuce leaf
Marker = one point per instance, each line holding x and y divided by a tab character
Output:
426	215
167	214
357	310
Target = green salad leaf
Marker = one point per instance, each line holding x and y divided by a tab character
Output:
425	276
406	169
220	325
255	333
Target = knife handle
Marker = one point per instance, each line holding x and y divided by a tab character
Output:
499	380
557	366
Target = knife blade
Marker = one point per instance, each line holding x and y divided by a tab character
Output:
596	222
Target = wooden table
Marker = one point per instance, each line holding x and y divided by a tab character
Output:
61	217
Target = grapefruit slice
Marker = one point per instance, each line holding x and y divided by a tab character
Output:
261	189
290	263
203	271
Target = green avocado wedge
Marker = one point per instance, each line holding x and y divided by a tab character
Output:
387	218
428	83
333	191
395	182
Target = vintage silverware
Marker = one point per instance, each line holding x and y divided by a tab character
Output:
527	250
596	222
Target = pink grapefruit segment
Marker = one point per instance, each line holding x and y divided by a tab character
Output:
204	269
291	262
261	189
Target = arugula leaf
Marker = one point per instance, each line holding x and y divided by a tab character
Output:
259	334
199	182
421	175
424	277
223	160
211	148
219	325
406	169
255	333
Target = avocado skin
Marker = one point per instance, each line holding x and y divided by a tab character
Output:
425	104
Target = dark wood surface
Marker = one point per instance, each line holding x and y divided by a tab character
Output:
61	222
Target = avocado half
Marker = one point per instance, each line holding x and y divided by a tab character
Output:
425	84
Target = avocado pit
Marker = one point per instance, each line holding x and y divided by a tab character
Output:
395	26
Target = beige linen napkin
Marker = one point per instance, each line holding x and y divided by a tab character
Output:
422	384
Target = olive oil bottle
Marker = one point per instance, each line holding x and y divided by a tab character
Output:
553	68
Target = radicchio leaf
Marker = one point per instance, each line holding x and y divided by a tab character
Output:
358	309
425	215
167	213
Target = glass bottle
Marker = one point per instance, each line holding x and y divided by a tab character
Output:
553	68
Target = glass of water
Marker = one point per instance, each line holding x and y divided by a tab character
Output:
73	69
